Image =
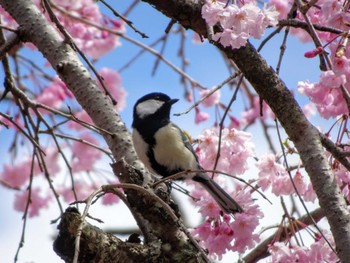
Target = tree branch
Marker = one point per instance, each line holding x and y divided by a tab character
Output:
96	245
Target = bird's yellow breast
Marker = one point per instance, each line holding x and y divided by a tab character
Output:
170	150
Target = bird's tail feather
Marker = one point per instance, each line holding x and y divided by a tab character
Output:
223	199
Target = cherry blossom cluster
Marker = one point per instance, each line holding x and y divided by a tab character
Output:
327	93
237	22
92	40
83	159
274	175
209	100
342	175
82	156
55	94
83	21
256	111
221	234
318	251
235	149
249	116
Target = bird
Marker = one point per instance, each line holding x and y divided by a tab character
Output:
166	150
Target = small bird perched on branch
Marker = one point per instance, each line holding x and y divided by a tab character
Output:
165	149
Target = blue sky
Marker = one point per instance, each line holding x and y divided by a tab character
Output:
206	66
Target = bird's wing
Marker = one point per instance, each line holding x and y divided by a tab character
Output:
186	142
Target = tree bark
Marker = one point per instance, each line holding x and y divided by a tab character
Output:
96	245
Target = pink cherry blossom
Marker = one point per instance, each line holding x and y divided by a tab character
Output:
4	122
208	207
275	175
51	160
200	116
243	227
100	44
256	111
82	191
91	40
212	12
300	182
326	94
212	100
341	65
234	123
113	83
269	170
314	52
216	236
319	251
221	234
18	174
280	252
245	223
37	201
54	94
281	6
85	156
309	195
7	20
238	22
236	148
309	109
110	199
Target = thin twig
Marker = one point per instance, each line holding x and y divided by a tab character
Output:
338	153
71	41
128	22
180	175
230	78
162	49
221	124
88	202
26	210
323	56
141	45
296	190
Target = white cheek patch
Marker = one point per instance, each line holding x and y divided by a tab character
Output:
148	107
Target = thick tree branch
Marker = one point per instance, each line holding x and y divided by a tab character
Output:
96	245
273	90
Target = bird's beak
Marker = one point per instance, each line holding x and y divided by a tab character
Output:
172	101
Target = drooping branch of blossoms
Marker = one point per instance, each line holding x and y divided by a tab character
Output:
261	251
271	89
